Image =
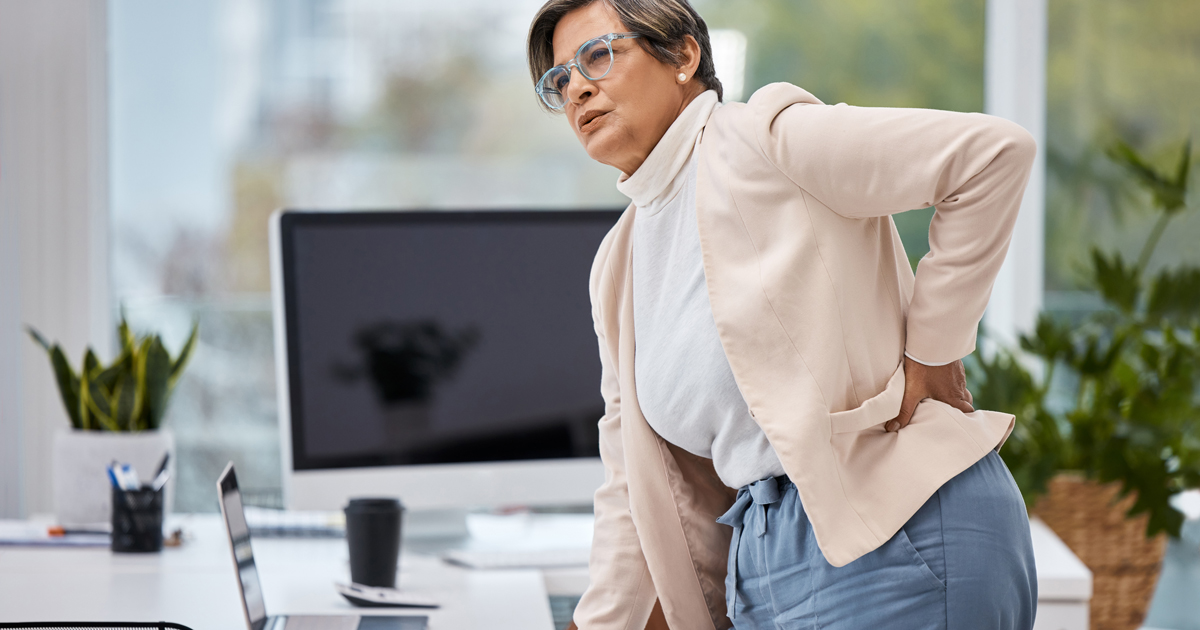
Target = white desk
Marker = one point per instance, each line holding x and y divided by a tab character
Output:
1064	582
195	585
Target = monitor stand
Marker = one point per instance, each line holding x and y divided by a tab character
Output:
432	524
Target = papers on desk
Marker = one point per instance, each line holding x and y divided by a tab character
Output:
269	523
27	534
527	559
525	541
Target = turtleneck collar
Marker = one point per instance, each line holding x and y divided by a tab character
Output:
656	175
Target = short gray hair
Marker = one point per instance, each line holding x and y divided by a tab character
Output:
662	25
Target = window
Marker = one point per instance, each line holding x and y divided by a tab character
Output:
1115	69
865	52
223	111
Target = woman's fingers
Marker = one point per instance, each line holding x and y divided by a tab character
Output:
946	383
907	407
960	404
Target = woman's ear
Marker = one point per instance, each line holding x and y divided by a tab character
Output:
689	58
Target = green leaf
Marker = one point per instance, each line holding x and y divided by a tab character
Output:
1127	377
91	365
68	384
1169	192
100	404
1175	295
185	354
125	394
106	378
128	342
1184	168
139	374
124	360
1118	283
1050	340
85	414
1126	156
64	376
157	370
41	341
1100	354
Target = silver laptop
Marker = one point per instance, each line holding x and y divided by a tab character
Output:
248	586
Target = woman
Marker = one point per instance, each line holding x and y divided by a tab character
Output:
784	347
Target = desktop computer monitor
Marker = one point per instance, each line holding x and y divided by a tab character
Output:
444	357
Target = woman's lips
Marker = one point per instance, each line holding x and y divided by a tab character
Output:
592	124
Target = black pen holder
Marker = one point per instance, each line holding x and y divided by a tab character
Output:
137	520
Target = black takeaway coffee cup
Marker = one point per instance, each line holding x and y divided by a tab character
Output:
373	533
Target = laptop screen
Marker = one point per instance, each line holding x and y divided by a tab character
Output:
243	556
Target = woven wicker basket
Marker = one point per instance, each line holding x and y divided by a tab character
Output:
1124	563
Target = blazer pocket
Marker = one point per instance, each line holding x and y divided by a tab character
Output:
873	411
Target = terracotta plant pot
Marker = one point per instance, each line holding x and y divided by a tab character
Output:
1125	564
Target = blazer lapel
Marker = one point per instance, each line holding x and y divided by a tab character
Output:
653	505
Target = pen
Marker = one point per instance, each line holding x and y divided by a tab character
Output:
129	478
58	531
161	476
162	465
112	475
160	480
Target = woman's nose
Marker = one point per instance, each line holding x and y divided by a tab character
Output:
579	87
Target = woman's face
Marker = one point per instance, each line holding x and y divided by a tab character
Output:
619	118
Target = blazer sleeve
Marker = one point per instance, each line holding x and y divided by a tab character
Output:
865	162
620	593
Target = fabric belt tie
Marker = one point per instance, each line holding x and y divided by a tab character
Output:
763	492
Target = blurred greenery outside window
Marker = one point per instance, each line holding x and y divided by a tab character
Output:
222	111
1117	69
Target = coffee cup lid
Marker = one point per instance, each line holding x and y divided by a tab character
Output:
372	504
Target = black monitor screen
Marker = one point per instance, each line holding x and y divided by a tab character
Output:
441	337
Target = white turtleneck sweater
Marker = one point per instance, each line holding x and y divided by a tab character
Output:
685	387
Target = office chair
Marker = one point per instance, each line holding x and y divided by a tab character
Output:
95	625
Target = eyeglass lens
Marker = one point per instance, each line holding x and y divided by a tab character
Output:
594	61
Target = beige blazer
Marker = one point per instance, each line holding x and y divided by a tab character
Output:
815	304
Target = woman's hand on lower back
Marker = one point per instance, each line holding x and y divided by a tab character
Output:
947	383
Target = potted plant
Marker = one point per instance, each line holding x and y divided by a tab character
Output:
116	413
1109	430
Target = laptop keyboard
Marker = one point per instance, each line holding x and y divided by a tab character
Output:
322	622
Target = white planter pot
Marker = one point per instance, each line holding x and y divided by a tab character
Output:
82	491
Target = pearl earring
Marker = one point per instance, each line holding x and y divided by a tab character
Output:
682	77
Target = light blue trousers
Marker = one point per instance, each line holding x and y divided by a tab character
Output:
963	561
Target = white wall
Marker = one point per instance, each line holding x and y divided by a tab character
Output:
53	223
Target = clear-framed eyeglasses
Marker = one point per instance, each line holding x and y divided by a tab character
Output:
594	60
